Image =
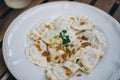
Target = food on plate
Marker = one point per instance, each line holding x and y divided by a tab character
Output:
62	71
66	45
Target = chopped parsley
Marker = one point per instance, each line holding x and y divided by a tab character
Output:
65	38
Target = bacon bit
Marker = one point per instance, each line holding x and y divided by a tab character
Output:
58	61
84	38
50	46
79	48
38	46
68	71
38	42
78	75
79	38
58	48
68	52
82	23
83	30
73	51
45	54
49	27
48	59
85	44
64	56
72	45
72	18
56	57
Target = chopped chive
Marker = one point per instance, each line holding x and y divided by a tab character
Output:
64	31
65	38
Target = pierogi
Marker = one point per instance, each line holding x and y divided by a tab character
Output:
66	45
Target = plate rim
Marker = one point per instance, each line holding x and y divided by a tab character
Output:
4	47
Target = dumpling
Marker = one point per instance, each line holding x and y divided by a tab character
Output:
36	33
62	23
68	69
89	59
49	73
34	53
72	66
63	72
82	23
60	72
65	45
96	38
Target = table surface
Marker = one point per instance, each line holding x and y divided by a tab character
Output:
112	7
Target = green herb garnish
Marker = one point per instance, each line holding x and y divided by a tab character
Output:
65	38
64	31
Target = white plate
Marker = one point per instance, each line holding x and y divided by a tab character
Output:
15	40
